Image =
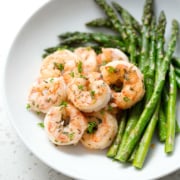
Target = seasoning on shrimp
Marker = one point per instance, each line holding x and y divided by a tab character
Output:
46	93
129	80
90	94
102	128
88	57
58	63
65	125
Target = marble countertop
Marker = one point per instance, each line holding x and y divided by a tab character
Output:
16	161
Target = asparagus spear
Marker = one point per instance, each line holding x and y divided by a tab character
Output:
132	49
177	127
176	61
145	141
75	38
131	122
68	34
150	107
171	113
125	15
146	20
114	147
177	71
162	125
117	25
178	81
160	43
97	38
100	22
144	55
149	74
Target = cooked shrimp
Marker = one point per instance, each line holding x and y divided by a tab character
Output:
102	128
58	63
89	94
88	58
45	93
65	124
110	54
129	76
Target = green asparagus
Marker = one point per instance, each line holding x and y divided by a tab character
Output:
151	105
144	144
117	25
171	114
125	15
114	147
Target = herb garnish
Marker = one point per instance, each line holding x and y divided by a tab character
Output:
111	69
92	93
92	126
41	124
80	67
72	74
80	87
110	108
28	106
59	66
63	104
71	136
126	99
51	80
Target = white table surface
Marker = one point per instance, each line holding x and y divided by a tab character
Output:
16	161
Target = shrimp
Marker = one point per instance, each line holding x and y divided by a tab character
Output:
88	57
102	128
45	93
64	124
127	81
58	63
110	54
89	94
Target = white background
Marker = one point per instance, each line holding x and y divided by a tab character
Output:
16	161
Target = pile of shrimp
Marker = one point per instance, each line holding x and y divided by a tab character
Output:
81	92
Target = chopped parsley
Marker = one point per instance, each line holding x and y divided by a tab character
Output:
80	67
59	66
111	69
80	87
41	124
28	106
72	74
92	126
92	93
51	80
63	104
38	112
82	76
110	108
126	99
71	136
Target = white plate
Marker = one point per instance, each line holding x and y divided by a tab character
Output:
22	68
